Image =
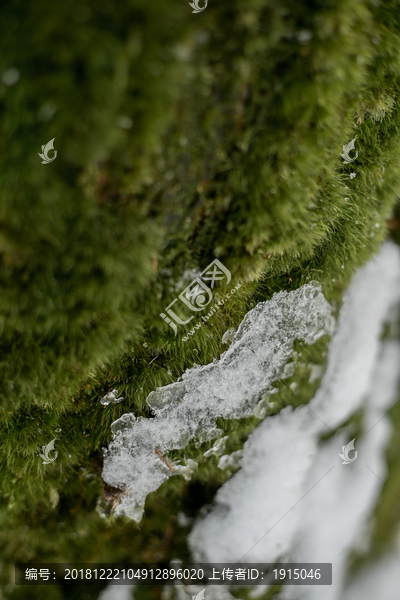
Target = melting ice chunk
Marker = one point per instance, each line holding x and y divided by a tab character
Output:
218	447
111	398
122	424
230	387
228	336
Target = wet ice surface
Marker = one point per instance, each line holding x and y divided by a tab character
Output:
111	398
230	388
293	500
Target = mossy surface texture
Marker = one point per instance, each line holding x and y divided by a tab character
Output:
180	138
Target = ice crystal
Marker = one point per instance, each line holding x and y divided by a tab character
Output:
230	387
218	447
228	336
186	470
233	460
111	398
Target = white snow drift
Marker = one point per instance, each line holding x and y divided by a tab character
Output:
293	499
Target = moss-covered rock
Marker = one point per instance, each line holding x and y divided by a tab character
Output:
180	138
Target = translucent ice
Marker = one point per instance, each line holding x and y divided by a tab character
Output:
229	388
111	398
186	470
228	336
218	447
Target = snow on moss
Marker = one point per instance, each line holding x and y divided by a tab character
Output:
292	499
136	459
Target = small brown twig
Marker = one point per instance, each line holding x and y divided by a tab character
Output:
162	457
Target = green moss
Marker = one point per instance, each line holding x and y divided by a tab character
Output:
238	117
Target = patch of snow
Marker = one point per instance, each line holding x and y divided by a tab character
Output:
233	460
377	580
229	388
183	520
335	517
293	499
369	302
276	459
